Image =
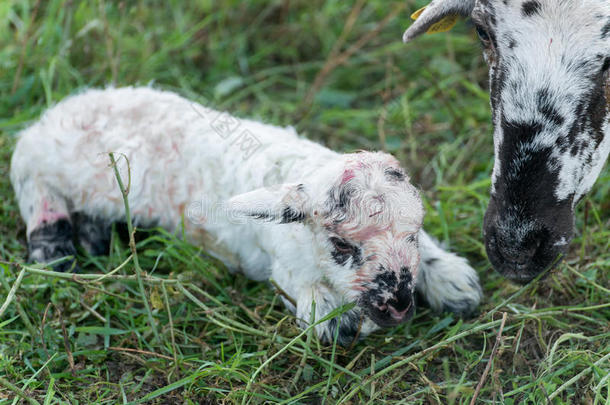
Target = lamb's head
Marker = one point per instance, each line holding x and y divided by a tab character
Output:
549	75
363	217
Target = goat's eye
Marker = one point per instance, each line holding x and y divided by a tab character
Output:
606	65
483	34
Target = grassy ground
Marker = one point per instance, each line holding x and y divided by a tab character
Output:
338	71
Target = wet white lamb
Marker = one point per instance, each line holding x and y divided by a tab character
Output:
329	228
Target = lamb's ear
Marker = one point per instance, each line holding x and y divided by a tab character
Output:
436	11
284	203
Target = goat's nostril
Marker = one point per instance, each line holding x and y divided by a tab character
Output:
518	253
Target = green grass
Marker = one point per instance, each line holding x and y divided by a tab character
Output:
222	337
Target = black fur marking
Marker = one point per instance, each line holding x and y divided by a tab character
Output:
348	327
405	275
394	174
606	30
343	250
92	234
530	8
51	242
515	186
261	215
291	215
562	144
516	133
344	197
590	114
546	108
403	299
338	202
386	280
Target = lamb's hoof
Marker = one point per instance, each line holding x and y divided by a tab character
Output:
51	242
466	308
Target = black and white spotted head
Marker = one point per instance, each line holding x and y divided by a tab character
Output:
549	69
364	216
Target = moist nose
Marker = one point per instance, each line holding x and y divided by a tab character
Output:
401	301
517	251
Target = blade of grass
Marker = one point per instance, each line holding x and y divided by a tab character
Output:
11	294
132	242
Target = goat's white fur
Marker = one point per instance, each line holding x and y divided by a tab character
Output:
185	158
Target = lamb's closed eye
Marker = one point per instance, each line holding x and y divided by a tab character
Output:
342	251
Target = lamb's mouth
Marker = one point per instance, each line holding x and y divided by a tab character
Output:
386	316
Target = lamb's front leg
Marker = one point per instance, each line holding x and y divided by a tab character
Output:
320	299
446	280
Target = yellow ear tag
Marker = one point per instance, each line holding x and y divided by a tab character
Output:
416	14
445	24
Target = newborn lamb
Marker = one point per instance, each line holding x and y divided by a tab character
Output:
328	228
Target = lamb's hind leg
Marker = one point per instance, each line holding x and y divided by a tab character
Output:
49	228
446	280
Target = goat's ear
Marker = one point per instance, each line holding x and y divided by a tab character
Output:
436	11
284	203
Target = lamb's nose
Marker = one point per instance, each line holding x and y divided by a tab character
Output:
400	305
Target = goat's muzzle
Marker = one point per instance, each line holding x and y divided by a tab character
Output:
522	248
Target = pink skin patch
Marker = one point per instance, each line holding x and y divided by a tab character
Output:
369	232
347	176
49	215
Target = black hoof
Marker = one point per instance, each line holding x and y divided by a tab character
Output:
51	242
